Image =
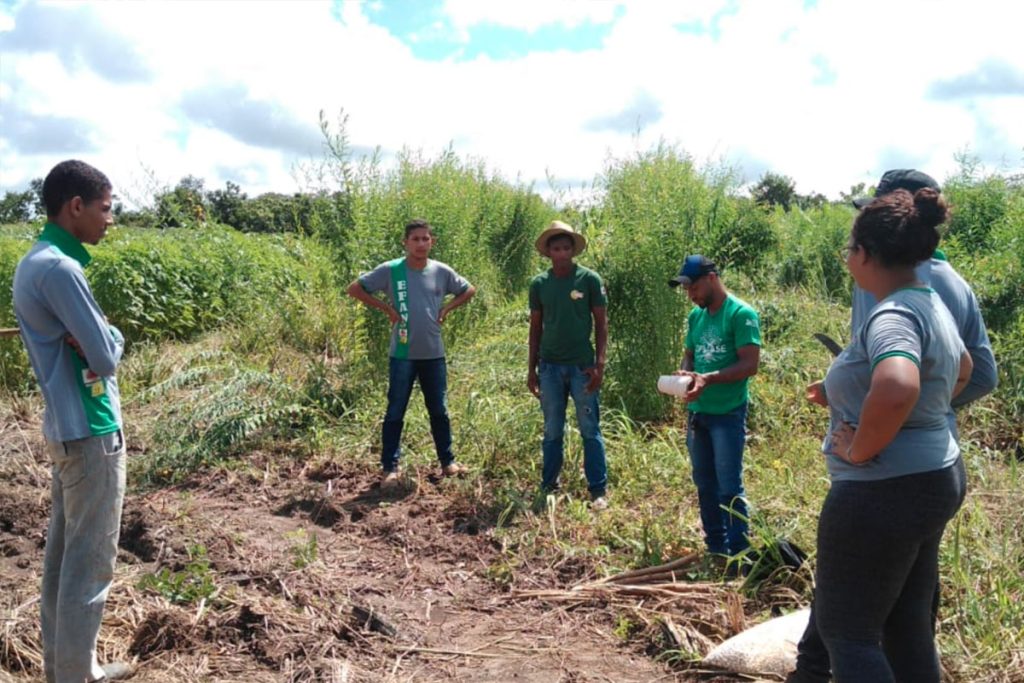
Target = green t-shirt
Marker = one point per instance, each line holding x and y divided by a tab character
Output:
713	339
566	304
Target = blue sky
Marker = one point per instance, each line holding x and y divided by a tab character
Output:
828	92
428	30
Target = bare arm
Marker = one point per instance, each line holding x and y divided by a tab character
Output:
748	358
895	387
536	326
596	373
456	302
356	291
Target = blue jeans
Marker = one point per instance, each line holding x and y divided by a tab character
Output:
81	546
557	383
433	377
716	453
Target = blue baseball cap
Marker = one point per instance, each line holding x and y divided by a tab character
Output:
694	268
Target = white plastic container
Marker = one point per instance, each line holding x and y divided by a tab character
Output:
674	385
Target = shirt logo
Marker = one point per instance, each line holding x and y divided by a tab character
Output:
710	349
575	295
93	382
751	323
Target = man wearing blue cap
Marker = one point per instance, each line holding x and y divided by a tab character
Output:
723	348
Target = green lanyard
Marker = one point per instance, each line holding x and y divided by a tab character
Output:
400	295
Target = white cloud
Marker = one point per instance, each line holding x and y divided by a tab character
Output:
745	88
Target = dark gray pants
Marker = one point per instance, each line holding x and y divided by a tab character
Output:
878	548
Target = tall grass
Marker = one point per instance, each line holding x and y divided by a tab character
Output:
659	207
243	343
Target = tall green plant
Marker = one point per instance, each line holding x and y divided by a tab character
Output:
658	208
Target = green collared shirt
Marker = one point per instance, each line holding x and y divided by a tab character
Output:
52	300
66	242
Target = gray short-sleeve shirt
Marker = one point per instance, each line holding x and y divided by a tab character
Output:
963	304
427	289
915	324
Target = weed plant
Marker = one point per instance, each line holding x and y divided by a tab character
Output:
194	583
248	343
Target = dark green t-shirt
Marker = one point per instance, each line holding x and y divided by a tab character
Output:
566	304
713	339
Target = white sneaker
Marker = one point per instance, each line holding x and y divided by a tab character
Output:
116	671
599	503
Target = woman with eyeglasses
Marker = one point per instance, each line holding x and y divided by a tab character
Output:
897	476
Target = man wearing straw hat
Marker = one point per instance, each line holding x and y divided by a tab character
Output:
567	304
74	353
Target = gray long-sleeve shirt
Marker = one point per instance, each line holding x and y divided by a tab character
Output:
52	299
958	297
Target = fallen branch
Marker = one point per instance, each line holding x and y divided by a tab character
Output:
456	653
651	574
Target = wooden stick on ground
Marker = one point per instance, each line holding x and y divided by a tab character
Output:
457	653
651	573
6	332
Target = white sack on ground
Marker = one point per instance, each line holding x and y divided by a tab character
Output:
768	648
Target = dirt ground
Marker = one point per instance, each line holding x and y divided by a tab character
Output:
394	587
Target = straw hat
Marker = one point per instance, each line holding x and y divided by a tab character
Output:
559	228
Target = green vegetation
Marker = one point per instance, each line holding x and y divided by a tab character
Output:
192	584
304	549
243	343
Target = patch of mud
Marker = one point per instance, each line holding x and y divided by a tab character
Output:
395	587
136	533
163	631
23	515
319	511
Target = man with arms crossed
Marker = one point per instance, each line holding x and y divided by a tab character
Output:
74	353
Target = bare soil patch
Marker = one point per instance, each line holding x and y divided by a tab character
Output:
309	574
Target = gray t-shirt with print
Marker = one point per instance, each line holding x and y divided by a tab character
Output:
915	324
427	289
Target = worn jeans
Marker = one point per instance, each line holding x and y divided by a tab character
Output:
557	383
716	454
433	377
81	546
878	557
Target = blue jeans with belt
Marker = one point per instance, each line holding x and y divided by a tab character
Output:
716	444
81	546
433	377
557	383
